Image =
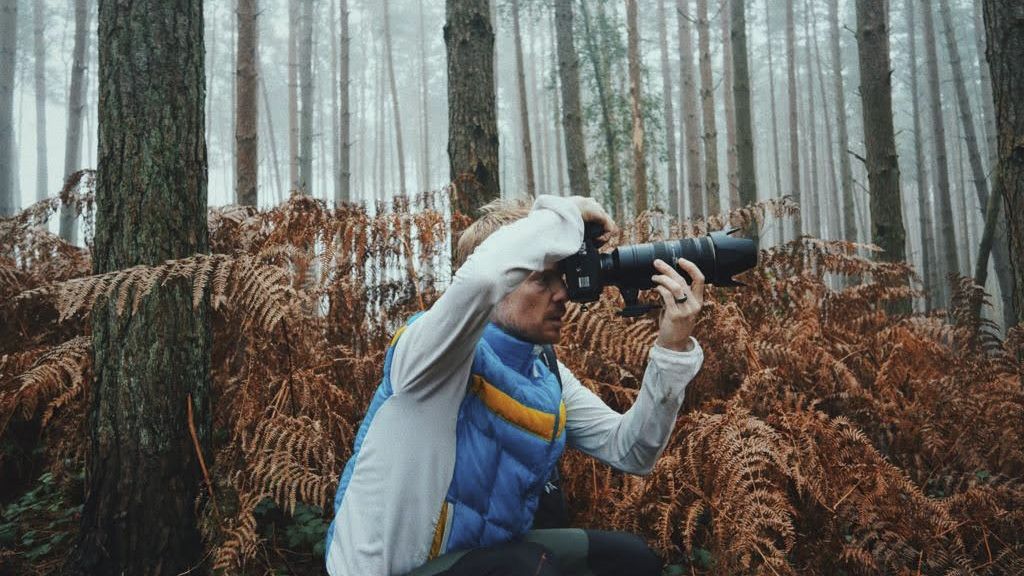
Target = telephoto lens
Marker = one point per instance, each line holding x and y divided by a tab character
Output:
719	256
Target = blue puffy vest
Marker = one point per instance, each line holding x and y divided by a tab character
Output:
509	436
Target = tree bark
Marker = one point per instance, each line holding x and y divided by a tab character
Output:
987	103
813	198
572	115
691	124
8	59
472	122
732	164
831	198
345	129
1000	250
846	172
247	113
272	139
794	119
39	28
707	98
927	234
1004	29
306	95
152	367
394	98
636	100
879	136
556	110
607	115
741	91
293	94
775	123
948	262
76	108
424	107
524	112
675	200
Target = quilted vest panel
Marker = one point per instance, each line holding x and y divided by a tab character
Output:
509	436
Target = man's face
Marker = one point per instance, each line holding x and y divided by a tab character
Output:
533	311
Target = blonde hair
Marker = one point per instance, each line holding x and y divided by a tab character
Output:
496	214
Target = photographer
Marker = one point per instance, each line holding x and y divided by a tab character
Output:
469	422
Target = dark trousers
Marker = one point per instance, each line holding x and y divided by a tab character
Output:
559	552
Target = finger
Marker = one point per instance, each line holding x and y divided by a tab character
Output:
670	271
667	298
696	277
678	289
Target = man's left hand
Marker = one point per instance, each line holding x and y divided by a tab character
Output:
681	303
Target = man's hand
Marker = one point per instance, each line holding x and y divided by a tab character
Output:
682	302
592	212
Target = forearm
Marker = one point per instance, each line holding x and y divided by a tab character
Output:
633	441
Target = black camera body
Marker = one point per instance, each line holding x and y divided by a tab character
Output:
719	256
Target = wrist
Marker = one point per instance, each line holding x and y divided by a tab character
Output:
676	344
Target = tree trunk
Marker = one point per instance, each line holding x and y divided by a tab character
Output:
707	98
293	94
556	109
675	200
1004	28
394	98
335	88
948	263
39	27
607	115
732	163
306	94
572	116
879	136
272	138
691	124
813	198
76	108
424	107
247	113
741	91
846	172
345	130
524	112
152	367
1000	249
987	103
831	197
8	58
794	119
472	123
636	97
927	235
775	123
534	75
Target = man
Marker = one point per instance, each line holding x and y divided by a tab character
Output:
469	422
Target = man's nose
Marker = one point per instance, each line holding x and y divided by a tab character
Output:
561	292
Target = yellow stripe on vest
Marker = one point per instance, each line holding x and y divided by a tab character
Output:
535	421
398	334
439	530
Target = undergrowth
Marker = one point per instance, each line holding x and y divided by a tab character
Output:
822	435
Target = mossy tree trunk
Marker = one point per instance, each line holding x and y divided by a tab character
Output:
142	468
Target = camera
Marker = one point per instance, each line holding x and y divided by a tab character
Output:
719	256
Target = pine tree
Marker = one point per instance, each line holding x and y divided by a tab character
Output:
247	111
151	366
8	57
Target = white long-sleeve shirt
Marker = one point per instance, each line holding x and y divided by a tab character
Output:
386	521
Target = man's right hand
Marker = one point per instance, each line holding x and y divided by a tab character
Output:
593	212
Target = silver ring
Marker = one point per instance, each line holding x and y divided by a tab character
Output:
683	299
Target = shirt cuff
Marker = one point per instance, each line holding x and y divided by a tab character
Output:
672	359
